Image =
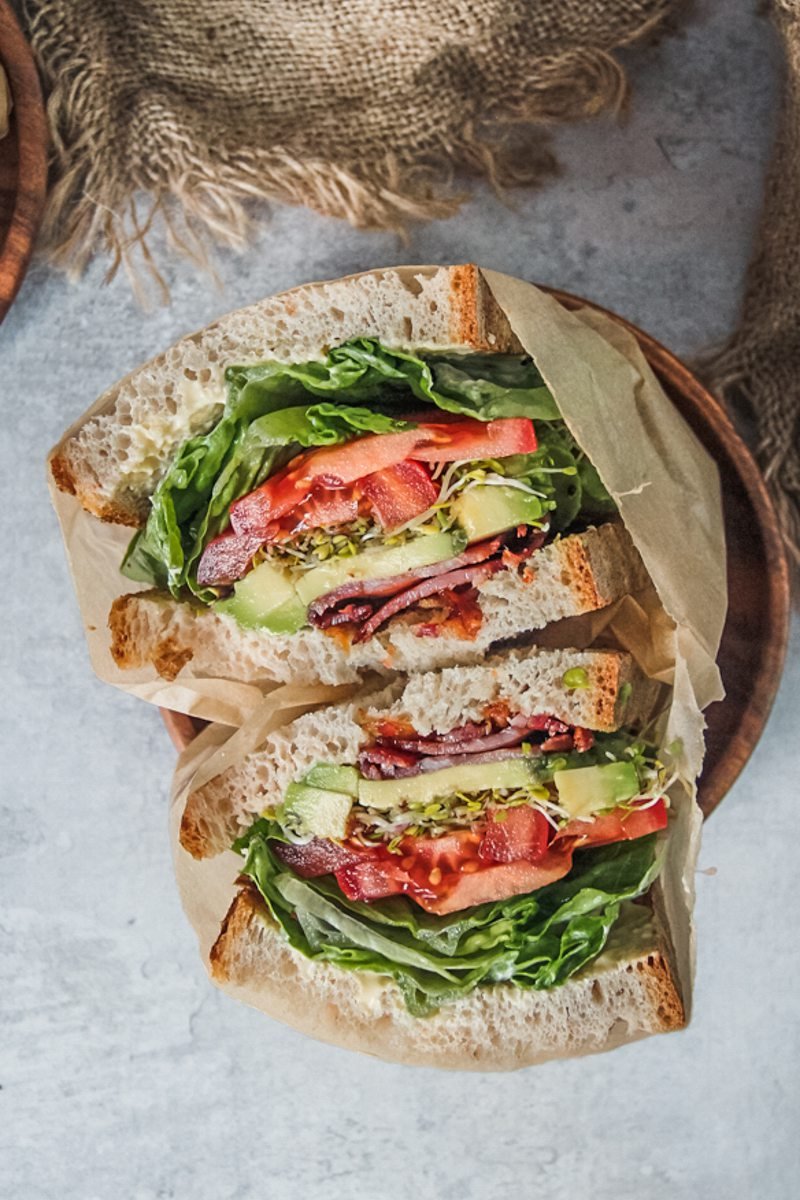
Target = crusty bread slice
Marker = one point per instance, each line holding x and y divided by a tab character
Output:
630	991
529	681
572	575
113	460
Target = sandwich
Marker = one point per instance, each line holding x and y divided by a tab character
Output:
369	474
457	870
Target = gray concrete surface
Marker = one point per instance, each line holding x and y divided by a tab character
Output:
124	1075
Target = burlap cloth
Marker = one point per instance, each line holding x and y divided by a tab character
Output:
362	109
758	372
366	109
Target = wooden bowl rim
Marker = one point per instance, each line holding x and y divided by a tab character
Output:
32	142
713	788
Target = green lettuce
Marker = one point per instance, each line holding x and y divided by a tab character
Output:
273	410
533	941
191	504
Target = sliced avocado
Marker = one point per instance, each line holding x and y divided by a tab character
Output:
583	791
376	564
483	511
265	599
333	778
475	777
316	810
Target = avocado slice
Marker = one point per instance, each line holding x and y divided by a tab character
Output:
583	791
333	778
419	789
484	511
377	564
265	599
316	810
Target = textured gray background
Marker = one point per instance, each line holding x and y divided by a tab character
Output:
124	1074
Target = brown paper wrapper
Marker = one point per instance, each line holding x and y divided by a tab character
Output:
667	488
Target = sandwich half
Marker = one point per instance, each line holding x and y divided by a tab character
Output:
457	870
365	474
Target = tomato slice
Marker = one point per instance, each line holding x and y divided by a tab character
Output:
372	878
336	466
621	825
448	852
498	882
495	861
513	834
399	493
477	439
333	466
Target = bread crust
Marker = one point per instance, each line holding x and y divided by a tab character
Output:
477	320
450	307
574	575
529	681
495	1028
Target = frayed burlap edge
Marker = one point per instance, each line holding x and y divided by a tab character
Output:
202	203
758	369
732	374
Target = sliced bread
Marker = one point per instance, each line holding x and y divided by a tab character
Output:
530	681
629	992
113	460
572	575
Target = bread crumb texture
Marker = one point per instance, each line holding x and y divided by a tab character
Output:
495	1028
115	459
151	627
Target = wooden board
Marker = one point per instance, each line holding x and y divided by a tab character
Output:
754	639
23	159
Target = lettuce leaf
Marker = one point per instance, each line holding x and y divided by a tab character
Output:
534	941
274	410
191	504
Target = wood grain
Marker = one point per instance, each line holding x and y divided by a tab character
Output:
754	640
23	160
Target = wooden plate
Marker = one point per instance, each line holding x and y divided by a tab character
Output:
23	159
756	631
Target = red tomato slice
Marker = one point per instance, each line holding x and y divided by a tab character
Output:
521	833
399	493
335	465
372	879
445	441
477	439
498	882
461	869
448	853
617	826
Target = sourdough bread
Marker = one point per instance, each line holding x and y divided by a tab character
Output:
571	575
113	460
629	992
530	681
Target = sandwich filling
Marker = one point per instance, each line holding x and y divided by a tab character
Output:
374	485
501	850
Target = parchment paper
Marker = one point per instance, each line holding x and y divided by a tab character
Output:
667	488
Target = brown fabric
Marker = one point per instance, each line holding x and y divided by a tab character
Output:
361	109
759	369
